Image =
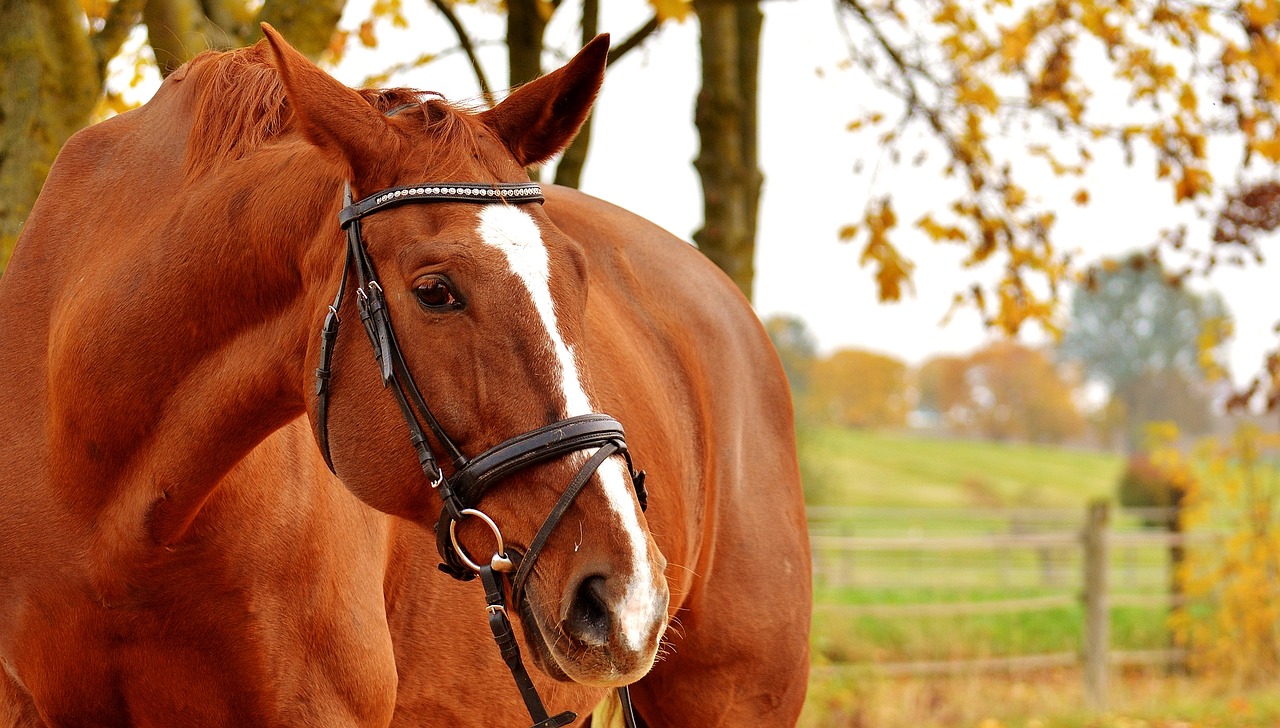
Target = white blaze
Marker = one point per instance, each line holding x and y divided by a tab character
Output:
514	232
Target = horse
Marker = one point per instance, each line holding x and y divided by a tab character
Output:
213	514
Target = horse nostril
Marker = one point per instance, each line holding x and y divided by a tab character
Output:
588	620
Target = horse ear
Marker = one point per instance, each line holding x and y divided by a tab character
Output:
542	117
331	115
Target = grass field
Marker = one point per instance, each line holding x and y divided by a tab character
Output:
884	484
1049	699
863	468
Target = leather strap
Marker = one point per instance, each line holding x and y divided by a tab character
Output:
551	441
628	710
442	192
503	635
535	446
553	519
472	478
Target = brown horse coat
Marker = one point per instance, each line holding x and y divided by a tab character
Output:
173	550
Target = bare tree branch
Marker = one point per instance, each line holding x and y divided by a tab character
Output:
464	40
632	40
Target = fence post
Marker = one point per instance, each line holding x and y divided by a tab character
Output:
1097	615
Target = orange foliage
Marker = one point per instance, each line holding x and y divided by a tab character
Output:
856	388
965	74
1237	576
1003	391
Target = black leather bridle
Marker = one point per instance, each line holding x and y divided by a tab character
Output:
471	477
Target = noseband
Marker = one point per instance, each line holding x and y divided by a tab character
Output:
471	477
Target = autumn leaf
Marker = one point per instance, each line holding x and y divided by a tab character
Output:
939	232
1193	182
367	36
677	10
892	271
337	47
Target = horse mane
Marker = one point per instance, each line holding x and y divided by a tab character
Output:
241	105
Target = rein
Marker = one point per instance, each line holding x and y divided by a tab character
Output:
471	478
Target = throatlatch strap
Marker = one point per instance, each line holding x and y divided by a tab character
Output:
510	650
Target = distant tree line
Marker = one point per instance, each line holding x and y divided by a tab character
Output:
1147	345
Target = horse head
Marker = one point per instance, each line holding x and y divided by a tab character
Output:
488	302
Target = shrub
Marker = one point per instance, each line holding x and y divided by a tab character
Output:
1145	484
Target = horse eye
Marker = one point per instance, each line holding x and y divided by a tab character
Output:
437	293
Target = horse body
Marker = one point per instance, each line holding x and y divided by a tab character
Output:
172	545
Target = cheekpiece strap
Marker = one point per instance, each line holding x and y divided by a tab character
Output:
449	192
510	651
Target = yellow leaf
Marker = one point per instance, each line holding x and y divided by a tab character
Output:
367	37
1015	41
977	93
1260	13
1187	99
337	46
1193	182
1081	197
892	270
1269	148
939	232
676	10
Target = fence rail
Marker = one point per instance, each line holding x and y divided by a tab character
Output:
1055	538
1012	664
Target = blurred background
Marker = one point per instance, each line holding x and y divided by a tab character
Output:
1012	254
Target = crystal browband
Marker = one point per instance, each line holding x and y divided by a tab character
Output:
452	192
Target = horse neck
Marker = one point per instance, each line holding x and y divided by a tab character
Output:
190	348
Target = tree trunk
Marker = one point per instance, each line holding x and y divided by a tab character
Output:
525	29
52	69
569	170
308	25
726	121
178	30
49	83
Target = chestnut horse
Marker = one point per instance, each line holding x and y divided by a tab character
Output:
174	549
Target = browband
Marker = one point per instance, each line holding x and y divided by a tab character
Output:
454	192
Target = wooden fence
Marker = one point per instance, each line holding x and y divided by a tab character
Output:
1057	541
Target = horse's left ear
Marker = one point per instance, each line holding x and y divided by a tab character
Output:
542	117
332	116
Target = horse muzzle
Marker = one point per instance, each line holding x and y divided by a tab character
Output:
606	629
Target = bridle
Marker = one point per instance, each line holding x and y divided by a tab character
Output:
472	477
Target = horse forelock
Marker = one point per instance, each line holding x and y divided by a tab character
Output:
241	105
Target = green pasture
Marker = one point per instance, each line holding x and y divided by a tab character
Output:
864	468
887	485
843	639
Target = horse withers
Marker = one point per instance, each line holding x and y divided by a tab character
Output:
174	548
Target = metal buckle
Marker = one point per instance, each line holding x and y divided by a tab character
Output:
500	562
